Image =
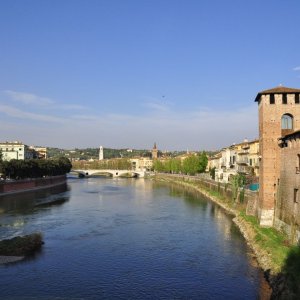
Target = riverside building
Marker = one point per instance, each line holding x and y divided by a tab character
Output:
18	150
279	115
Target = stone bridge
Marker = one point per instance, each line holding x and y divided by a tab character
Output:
113	173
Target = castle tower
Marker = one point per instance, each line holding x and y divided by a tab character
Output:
101	157
279	114
154	152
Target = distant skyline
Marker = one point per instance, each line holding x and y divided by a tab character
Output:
126	74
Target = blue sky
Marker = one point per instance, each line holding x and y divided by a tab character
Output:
125	73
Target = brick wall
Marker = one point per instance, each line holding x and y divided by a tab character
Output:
287	212
27	184
269	133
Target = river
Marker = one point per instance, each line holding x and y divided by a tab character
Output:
127	239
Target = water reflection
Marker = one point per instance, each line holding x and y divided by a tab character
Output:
22	202
129	239
17	210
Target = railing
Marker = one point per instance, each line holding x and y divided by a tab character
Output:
243	161
241	152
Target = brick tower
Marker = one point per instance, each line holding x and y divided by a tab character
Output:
279	115
154	152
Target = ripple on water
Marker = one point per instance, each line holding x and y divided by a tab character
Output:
130	245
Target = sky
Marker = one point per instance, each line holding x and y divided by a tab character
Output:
128	73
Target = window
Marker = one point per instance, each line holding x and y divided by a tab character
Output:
297	98
250	161
295	195
284	98
287	121
272	98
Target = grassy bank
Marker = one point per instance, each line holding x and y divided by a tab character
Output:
267	242
279	259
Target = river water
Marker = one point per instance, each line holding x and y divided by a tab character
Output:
127	239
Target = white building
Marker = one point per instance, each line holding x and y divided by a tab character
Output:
15	150
141	164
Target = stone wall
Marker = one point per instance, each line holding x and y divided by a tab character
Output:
30	184
250	197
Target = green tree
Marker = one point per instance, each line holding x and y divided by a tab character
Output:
237	181
212	172
203	161
191	165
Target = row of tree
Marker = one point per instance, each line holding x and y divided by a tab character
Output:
106	164
33	168
191	165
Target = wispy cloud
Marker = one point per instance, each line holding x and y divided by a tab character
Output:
297	68
199	129
156	106
27	98
36	100
84	117
17	113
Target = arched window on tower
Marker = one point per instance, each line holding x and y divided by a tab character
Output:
286	124
287	121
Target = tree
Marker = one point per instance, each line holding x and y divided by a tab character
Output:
237	181
19	169
1	155
191	165
212	172
203	161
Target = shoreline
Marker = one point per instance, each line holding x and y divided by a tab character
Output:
261	255
31	185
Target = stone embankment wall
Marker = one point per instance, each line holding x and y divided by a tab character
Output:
17	186
250	197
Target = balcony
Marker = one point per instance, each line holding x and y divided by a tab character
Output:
245	170
243	152
243	161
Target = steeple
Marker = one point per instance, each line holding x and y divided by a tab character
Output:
154	152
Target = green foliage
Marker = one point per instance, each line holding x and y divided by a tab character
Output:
1	155
212	173
270	240
237	181
116	164
32	168
88	153
203	161
291	270
191	165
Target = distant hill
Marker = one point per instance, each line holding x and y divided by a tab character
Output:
93	153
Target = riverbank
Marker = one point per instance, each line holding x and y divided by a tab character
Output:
270	247
31	184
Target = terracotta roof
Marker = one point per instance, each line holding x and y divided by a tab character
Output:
277	90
